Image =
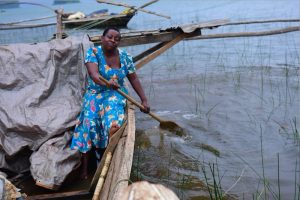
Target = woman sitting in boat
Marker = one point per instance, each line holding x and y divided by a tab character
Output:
103	107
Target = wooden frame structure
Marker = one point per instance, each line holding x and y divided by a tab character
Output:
169	37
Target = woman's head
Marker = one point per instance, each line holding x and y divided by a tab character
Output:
111	38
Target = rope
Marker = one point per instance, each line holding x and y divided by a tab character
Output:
30	3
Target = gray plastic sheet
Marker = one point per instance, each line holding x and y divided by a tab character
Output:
41	88
53	162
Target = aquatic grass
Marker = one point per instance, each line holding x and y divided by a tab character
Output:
208	113
268	190
213	182
297	185
291	132
295	132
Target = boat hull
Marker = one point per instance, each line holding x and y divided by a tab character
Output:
99	22
121	146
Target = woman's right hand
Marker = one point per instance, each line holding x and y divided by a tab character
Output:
146	108
113	84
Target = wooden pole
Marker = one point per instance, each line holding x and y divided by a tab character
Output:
132	7
59	24
168	45
247	34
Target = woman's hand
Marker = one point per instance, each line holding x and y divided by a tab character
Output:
146	107
113	84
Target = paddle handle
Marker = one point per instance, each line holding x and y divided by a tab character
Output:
132	100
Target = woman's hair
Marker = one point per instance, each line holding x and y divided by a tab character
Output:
110	28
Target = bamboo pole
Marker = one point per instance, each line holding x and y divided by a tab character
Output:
132	7
102	176
246	34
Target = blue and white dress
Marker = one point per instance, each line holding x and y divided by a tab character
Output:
102	107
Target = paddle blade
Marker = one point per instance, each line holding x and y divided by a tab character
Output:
172	127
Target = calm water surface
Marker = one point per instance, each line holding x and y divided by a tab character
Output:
237	98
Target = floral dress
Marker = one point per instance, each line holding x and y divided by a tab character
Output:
102	107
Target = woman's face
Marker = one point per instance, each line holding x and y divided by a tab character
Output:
111	39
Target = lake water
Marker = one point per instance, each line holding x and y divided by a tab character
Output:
238	98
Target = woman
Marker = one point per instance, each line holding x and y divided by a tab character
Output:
103	107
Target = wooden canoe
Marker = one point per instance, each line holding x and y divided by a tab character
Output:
117	20
121	146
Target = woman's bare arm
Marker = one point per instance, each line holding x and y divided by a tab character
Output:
94	74
135	82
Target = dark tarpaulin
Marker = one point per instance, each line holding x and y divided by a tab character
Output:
41	88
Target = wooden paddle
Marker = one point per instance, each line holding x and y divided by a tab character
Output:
167	125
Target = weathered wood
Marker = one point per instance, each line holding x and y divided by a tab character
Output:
74	195
110	148
155	36
126	163
132	7
113	171
120	20
247	34
149	51
59	25
122	158
160	50
263	21
147	37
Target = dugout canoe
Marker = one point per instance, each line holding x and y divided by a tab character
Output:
121	148
116	20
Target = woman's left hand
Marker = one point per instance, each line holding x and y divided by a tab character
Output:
146	107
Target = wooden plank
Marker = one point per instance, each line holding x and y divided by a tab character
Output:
247	34
74	195
122	158
147	59
126	163
166	35
110	148
113	170
148	52
141	38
